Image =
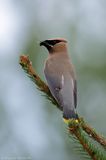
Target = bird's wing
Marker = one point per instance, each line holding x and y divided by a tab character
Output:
63	89
75	93
67	92
55	85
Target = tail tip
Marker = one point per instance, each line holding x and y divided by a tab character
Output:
72	115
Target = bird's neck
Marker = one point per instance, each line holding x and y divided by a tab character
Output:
62	49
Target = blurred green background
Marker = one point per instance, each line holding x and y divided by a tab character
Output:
30	127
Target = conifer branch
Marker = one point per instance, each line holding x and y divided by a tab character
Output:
91	148
92	133
84	142
79	129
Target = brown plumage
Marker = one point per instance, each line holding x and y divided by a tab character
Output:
60	76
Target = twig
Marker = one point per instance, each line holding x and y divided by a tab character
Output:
78	132
76	128
92	133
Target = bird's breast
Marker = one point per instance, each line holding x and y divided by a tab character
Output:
51	66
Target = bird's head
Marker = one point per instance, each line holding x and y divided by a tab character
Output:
55	45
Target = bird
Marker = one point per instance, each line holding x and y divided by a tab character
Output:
60	75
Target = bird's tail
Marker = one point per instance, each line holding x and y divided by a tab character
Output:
70	114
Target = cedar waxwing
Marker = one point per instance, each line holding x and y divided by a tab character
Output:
60	76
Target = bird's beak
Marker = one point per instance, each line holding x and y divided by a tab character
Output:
46	44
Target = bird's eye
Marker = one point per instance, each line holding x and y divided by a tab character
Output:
55	42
